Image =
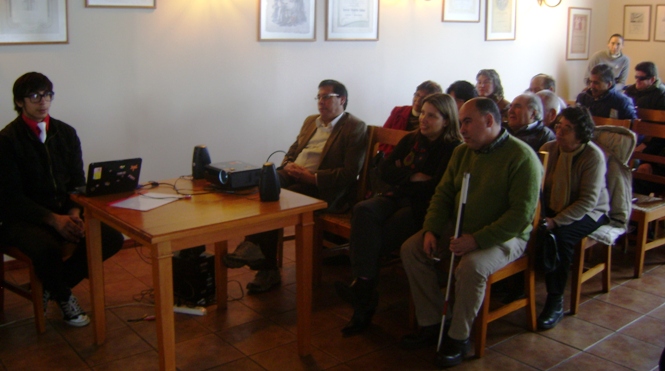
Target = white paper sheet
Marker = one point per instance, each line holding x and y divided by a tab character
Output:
147	201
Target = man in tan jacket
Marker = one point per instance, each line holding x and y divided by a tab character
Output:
323	162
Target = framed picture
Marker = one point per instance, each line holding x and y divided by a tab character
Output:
500	20
461	11
637	22
352	20
120	3
659	29
287	20
33	22
579	31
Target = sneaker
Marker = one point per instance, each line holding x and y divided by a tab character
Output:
264	281
72	312
247	253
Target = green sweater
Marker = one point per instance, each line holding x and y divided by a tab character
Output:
503	192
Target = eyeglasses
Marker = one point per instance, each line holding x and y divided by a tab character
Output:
642	78
563	129
325	97
36	97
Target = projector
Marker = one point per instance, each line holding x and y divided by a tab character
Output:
232	174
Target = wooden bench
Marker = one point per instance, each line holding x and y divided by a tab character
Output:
340	224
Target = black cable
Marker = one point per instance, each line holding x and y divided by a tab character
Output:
278	151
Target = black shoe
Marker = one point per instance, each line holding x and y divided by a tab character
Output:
425	337
452	353
552	313
364	298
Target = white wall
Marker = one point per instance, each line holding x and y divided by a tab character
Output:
155	83
637	51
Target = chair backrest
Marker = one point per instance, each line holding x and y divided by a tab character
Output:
618	144
651	115
652	130
605	121
377	135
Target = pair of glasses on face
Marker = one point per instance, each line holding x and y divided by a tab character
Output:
558	127
325	96
642	78
36	97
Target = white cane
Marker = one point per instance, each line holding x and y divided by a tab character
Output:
458	231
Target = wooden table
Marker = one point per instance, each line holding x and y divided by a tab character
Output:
202	220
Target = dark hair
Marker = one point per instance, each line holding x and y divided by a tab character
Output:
582	122
493	76
463	90
548	81
31	82
486	106
338	88
430	87
649	68
446	106
604	72
616	35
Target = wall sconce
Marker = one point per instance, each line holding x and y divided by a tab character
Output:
550	3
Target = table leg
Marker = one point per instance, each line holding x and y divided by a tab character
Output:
304	277
221	248
162	278
640	243
96	277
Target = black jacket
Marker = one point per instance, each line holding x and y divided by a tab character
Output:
652	97
36	178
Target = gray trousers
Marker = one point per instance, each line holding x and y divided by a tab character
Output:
470	275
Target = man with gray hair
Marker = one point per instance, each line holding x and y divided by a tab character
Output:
551	107
525	121
602	99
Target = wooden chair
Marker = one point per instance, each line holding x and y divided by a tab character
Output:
648	210
340	224
32	291
523	264
604	121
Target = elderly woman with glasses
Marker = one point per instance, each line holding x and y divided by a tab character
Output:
575	199
381	224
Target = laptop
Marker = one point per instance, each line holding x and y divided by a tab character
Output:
109	177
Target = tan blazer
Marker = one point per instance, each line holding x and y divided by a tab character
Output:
341	159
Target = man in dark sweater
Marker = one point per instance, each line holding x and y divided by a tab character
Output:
525	121
648	91
40	164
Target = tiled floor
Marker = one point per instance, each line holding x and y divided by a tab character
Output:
623	329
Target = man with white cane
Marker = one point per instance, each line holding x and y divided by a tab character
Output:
505	177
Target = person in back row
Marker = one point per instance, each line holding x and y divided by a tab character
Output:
488	84
461	91
40	164
551	107
406	117
648	91
380	224
323	162
613	57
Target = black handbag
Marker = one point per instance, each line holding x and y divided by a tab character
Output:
547	252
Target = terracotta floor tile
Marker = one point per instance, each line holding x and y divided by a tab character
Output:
492	361
648	329
120	343
606	315
51	357
322	320
658	313
577	333
286	357
243	364
628	352
257	336
24	337
145	361
235	314
632	299
347	348
535	350
650	283
205	352
391	358
588	362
